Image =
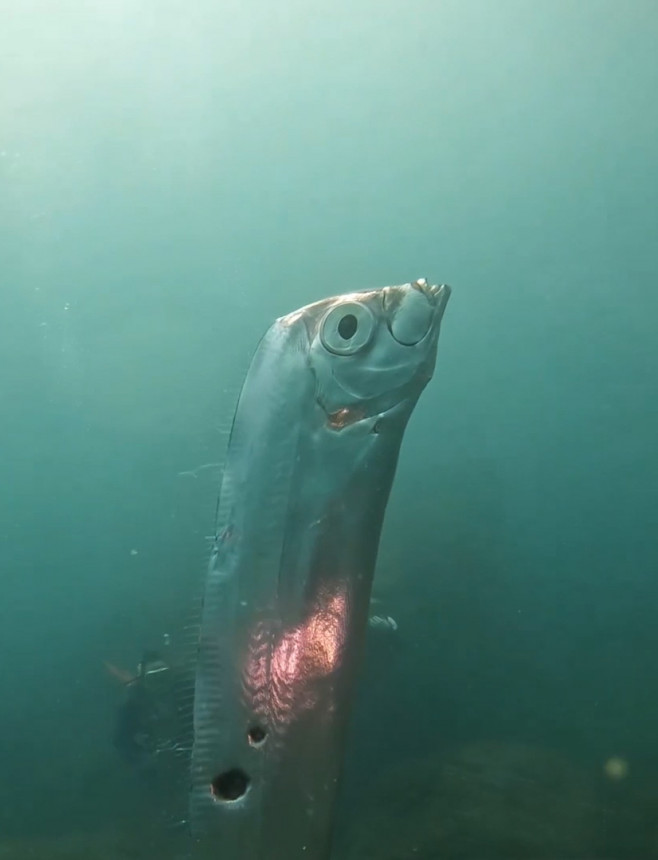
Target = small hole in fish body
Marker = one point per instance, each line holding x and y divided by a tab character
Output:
230	785
256	735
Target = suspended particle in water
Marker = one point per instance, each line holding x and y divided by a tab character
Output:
616	768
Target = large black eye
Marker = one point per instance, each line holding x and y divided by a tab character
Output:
347	327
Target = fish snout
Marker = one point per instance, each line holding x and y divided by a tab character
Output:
414	309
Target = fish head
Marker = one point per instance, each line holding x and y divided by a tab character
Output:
374	350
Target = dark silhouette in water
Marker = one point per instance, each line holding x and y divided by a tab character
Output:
146	723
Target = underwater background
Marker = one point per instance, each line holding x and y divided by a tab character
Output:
173	176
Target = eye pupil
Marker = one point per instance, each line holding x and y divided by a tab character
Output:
347	326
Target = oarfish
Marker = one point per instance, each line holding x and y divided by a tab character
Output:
310	463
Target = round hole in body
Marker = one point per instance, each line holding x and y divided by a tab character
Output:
256	735
230	785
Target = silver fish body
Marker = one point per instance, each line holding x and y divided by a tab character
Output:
311	460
